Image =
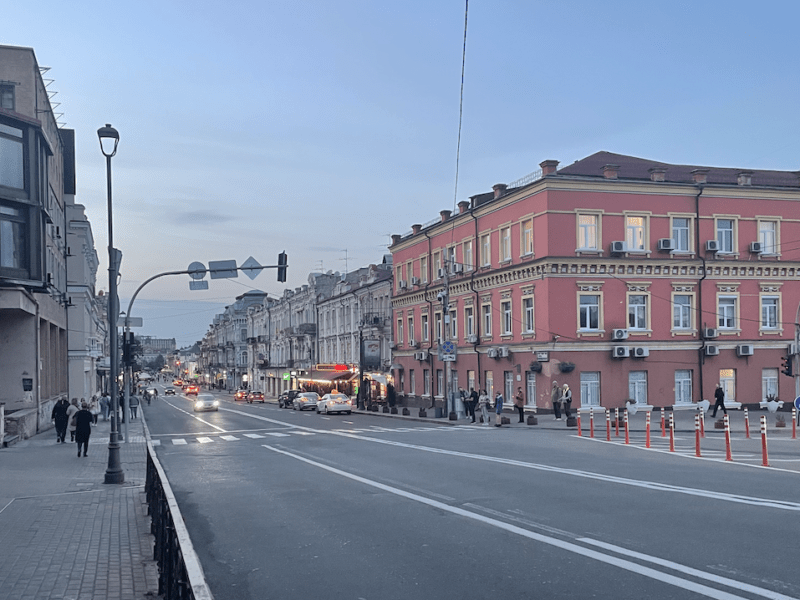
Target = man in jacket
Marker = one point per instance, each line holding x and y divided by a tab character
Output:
719	396
555	398
59	416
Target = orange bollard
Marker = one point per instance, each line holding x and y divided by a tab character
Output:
647	430
697	435
616	421
764	455
627	437
746	423
671	432
608	425
728	455
591	423
663	425
579	423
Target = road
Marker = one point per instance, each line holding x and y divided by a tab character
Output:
283	505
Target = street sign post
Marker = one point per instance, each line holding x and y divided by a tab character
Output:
448	351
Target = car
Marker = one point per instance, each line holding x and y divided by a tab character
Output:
169	392
177	383
240	395
331	403
205	402
305	400
255	397
286	399
192	389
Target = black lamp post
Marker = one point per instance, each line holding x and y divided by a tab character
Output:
109	138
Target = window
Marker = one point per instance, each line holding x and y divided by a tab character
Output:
769	312
439	382
13	238
453	325
450	253
637	311
637	386
411	336
683	386
767	235
12	171
400	331
505	244
398	277
769	383
470	380
487	319
508	387
527	315
437	327
243	335
486	250
437	264
726	312
590	389
469	321
467	250
589	312
402	382
634	233
426	381
488	377
681	311
425	331
680	233
413	381
527	237
530	389
587	232
505	309
423	269
725	235
7	96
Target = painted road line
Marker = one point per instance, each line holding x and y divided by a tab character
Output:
302	433
277	434
205	440
195	417
179	442
156	442
253	436
230	438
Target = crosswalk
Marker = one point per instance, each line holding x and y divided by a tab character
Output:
206	439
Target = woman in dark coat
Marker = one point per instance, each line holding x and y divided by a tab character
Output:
83	428
59	415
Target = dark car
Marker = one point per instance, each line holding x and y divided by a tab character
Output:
169	392
255	397
286	399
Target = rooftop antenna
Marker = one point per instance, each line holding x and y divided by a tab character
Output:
320	267
345	259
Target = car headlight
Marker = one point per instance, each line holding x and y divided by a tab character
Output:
216	402
198	405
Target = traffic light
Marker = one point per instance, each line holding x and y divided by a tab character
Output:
126	348
786	365
282	262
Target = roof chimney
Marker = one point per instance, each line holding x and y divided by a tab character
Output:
463	207
416	228
396	237
445	214
657	173
611	171
700	175
499	189
548	167
744	178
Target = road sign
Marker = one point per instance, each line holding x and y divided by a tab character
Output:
132	322
448	358
448	347
222	269
197	270
797	403
198	285
247	268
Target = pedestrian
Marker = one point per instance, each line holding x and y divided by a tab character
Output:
134	400
566	400
73	408
94	408
473	402
519	404
498	409
555	398
83	427
719	396
105	405
483	404
60	418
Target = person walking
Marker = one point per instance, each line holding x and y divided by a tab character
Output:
105	405
473	402
83	427
60	418
134	401
719	396
519	404
498	409
566	400
555	398
94	408
73	408
483	404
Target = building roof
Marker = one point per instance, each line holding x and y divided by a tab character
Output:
632	167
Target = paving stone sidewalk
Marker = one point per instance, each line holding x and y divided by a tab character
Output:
66	535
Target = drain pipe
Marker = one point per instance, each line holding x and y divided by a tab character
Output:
476	312
701	350
429	279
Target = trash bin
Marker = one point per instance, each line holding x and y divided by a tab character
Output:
438	412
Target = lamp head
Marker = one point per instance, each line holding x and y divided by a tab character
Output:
108	135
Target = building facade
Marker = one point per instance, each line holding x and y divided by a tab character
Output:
625	278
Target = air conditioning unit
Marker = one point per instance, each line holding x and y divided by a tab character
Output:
413	344
792	349
712	246
756	247
472	339
666	244
617	247
710	333
402	284
503	351
744	350
441	273
619	334
492	353
415	281
458	268
392	346
712	350
421	355
640	352
620	351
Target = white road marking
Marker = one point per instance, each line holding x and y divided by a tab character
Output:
277	434
230	438
348	422
195	417
179	442
551	541
156	442
302	433
205	440
253	436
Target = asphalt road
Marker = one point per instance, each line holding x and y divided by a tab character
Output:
286	505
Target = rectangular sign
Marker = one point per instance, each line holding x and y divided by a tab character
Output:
222	269
132	322
449	358
543	356
371	354
198	285
286	376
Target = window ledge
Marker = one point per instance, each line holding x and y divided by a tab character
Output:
726	255
637	252
729	331
682	253
691	332
527	256
647	332
770	331
590	332
506	336
596	251
504	262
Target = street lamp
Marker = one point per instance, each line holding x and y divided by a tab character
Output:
109	138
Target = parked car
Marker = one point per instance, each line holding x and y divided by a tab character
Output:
240	395
169	392
255	397
305	400
286	399
192	389
205	402
177	383
331	403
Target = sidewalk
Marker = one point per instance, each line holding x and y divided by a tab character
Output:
66	535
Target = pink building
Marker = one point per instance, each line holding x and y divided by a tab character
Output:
623	277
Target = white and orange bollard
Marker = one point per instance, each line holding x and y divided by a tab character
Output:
647	430
703	424
579	423
728	455
746	423
672	432
663	424
697	435
627	436
794	423
616	422
608	425
764	454
591	423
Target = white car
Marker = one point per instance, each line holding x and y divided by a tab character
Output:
205	402
331	403
305	400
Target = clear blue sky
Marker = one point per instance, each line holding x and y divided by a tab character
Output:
248	128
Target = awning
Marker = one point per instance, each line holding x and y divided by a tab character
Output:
324	376
397	367
378	378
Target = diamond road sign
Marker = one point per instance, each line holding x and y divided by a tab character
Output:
448	348
247	268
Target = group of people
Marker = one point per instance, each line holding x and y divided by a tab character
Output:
561	397
481	401
78	418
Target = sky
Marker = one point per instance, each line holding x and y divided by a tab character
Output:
321	128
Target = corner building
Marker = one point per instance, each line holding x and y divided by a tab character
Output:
622	277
